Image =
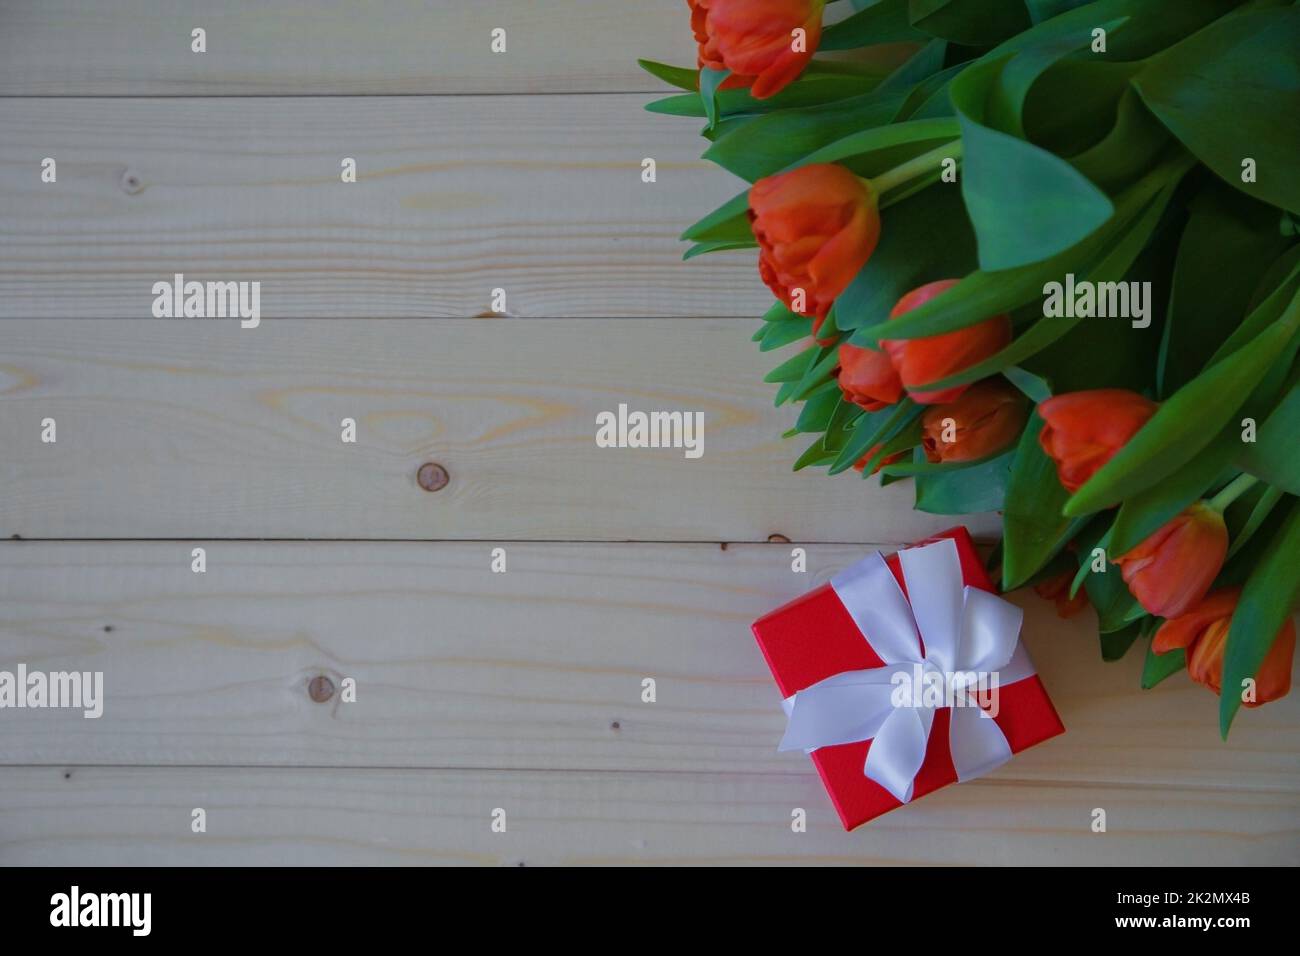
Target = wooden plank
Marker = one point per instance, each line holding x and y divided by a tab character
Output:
143	47
174	429
539	667
456	196
141	816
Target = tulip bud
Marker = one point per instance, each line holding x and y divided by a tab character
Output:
1173	569
924	360
816	227
984	419
1057	589
861	463
755	40
867	378
1084	430
1203	633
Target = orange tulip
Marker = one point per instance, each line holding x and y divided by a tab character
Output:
867	378
1173	569
1084	430
755	40
920	361
1058	589
984	419
816	226
861	463
1203	631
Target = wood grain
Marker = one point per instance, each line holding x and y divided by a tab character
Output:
539	667
176	429
142	47
456	196
141	816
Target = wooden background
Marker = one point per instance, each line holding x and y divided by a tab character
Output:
475	690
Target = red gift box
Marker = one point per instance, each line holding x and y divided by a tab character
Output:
814	637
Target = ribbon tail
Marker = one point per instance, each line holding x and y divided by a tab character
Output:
898	750
976	742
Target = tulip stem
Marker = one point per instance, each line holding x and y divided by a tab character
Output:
916	167
1234	490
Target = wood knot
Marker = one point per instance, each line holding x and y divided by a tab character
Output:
320	688
432	476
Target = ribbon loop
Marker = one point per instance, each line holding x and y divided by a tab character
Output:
940	628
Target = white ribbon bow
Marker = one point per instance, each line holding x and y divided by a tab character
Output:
964	630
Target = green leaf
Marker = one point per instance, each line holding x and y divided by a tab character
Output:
710	80
842	423
817	412
1086	560
930	99
1026	204
908	256
870	431
1258	515
1144	513
1264	314
1273	455
873	151
793	369
817	374
1040	10
906	438
1030	384
779	334
1156	24
779	312
966	490
1268	599
1093	87
922	466
1049	329
1005	104
1240	74
813	455
1033	529
722	245
884	21
970	22
811	89
1115	644
781	140
1107	592
1227	245
1188	421
786	392
728	223
982	294
1133	144
829	327
922	65
681	77
1159	666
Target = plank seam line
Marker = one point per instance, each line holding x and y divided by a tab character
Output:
645	91
1012	782
397	318
16	540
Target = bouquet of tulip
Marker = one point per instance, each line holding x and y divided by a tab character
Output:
1040	256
